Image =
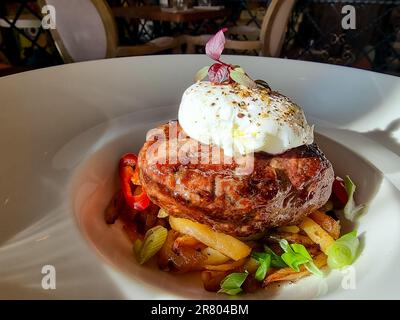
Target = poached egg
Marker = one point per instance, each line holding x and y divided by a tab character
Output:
241	120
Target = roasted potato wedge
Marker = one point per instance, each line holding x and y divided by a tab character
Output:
315	232
214	257
227	245
327	223
188	241
227	266
180	259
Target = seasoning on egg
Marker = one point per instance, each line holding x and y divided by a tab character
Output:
265	114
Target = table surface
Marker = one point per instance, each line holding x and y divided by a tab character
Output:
156	14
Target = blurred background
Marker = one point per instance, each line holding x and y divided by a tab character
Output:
95	29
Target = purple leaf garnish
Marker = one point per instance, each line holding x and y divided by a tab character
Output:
222	72
215	45
218	73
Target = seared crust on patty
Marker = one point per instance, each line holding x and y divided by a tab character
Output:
280	190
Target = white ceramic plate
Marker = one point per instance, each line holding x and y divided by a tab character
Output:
63	129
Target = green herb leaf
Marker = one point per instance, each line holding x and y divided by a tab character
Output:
258	255
276	261
231	292
290	257
296	255
232	283
243	79
262	271
351	211
201	74
300	249
310	266
152	243
286	246
265	261
294	261
343	251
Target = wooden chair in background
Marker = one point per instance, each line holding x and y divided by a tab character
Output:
3	60
86	30
271	34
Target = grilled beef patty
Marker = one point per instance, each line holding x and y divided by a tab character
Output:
280	190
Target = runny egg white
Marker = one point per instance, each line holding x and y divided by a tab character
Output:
242	120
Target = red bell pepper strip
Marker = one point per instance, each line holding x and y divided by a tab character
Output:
339	190
142	201
135	178
137	199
